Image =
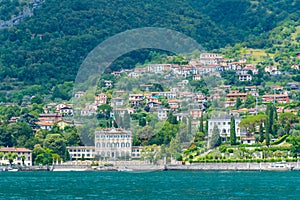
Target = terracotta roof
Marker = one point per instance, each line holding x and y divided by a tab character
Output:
45	123
13	149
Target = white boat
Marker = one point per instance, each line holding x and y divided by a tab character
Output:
12	170
124	169
279	166
69	169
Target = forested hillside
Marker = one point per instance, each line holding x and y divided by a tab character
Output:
48	48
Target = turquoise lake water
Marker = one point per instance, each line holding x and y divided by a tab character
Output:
154	185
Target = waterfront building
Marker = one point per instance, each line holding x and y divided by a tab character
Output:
113	143
24	153
136	152
223	124
79	152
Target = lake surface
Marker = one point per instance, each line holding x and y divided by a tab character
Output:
153	185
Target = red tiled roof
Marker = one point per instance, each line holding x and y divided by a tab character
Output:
13	149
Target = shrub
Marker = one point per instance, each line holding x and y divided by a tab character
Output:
280	140
230	150
223	149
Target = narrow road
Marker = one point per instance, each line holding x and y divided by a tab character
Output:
27	12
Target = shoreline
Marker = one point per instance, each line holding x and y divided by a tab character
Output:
238	166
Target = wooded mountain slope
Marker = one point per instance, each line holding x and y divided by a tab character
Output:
49	47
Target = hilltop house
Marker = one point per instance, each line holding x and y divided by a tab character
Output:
100	99
117	102
210	58
158	68
47	121
243	75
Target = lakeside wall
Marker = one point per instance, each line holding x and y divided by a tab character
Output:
228	166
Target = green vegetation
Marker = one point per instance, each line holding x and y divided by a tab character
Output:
39	59
54	42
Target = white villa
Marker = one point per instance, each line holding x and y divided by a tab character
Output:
223	124
113	143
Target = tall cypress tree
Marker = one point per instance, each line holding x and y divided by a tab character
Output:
215	139
275	122
201	124
232	131
206	127
238	103
189	125
261	133
269	123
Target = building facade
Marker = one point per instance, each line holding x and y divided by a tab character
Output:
113	143
79	152
223	124
24	153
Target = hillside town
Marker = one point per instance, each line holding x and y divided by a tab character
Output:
204	97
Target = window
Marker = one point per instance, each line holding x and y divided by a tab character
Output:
98	145
103	144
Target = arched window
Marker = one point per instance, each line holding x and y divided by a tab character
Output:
103	154
224	130
108	154
117	145
122	144
108	145
127	144
98	145
103	144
